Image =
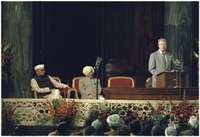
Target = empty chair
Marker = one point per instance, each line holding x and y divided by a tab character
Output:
121	81
75	83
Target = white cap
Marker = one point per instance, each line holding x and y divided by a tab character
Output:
170	131
193	121
88	70
113	120
39	66
96	124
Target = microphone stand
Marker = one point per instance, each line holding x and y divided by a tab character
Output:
97	83
97	65
179	78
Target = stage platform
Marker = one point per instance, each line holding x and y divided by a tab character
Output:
151	93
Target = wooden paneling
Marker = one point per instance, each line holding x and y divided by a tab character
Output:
151	93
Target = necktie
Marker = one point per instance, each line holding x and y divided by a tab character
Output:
164	60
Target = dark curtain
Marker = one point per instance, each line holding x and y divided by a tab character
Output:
131	31
72	35
66	37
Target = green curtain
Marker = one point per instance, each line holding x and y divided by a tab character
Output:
17	31
179	34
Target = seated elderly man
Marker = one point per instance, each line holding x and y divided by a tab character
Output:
44	84
88	84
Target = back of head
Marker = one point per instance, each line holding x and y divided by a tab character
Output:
135	127
130	117
157	131
63	128
193	121
67	120
93	115
97	125
123	131
146	126
114	121
170	131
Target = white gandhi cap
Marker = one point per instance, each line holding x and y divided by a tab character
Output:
39	66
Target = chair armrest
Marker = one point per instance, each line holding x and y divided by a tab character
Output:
35	94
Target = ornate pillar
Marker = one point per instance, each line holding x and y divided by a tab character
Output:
178	32
17	31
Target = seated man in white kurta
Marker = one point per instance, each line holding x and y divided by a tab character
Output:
44	84
87	84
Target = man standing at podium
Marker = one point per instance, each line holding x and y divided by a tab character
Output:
160	60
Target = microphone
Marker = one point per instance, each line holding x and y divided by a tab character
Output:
195	55
98	62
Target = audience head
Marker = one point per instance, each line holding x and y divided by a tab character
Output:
123	131
97	125
170	131
68	120
157	130
135	127
93	115
88	71
39	69
146	126
193	122
63	128
114	121
130	116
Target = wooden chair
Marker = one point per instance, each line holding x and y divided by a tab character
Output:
70	91
75	83
121	81
67	91
34	94
148	83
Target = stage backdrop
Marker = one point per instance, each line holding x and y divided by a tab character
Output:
123	33
66	36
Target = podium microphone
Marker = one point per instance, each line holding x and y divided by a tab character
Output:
98	62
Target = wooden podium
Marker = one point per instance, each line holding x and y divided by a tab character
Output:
170	80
